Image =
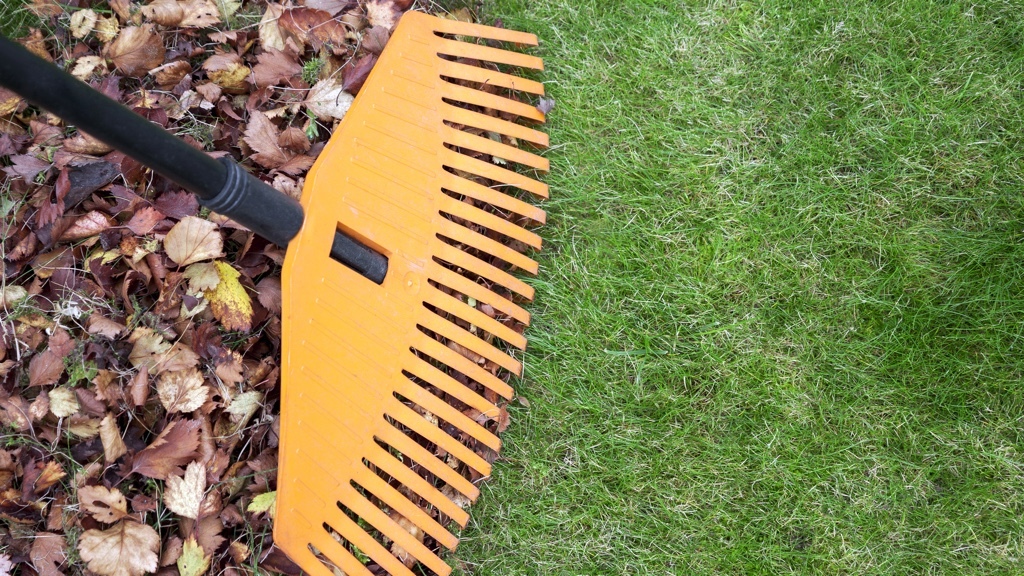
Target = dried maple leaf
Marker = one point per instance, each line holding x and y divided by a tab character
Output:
328	100
108	505
230	302
144	220
261	135
174	447
136	50
86	66
184	495
110	436
275	66
127	548
48	553
192	240
182	391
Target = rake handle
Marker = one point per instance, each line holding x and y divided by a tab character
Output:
221	185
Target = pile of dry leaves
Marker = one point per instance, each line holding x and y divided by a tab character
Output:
140	335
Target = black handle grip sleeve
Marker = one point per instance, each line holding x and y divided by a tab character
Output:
222	186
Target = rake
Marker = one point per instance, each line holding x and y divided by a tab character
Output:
387	350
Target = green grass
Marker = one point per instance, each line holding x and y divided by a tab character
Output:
779	319
15	19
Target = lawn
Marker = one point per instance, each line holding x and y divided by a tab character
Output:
778	325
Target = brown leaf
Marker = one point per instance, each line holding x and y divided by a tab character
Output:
90	224
269	293
110	436
98	324
139	387
174	447
82	143
25	166
50	474
313	28
45	8
164	12
136	50
48	553
192	240
354	76
328	100
45	368
108	505
144	220
270	31
127	548
275	66
177	204
261	135
169	74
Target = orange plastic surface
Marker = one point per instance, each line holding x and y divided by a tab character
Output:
357	360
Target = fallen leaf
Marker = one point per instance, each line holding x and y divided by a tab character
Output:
382	13
264	503
110	436
164	12
230	302
243	406
192	240
48	553
227	71
107	28
44	8
402	554
108	505
183	495
174	447
98	324
168	75
193	560
6	566
328	100
270	32
51	473
82	22
25	166
268	291
144	220
90	224
82	143
275	66
45	368
354	76
182	391
127	548
136	50
314	28
199	14
261	135
63	402
201	276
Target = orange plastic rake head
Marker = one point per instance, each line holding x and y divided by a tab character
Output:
385	380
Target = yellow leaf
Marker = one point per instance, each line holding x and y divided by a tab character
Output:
230	302
263	503
193	561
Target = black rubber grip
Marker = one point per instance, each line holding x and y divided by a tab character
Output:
359	257
222	186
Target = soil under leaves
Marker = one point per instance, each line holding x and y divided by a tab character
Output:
140	334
